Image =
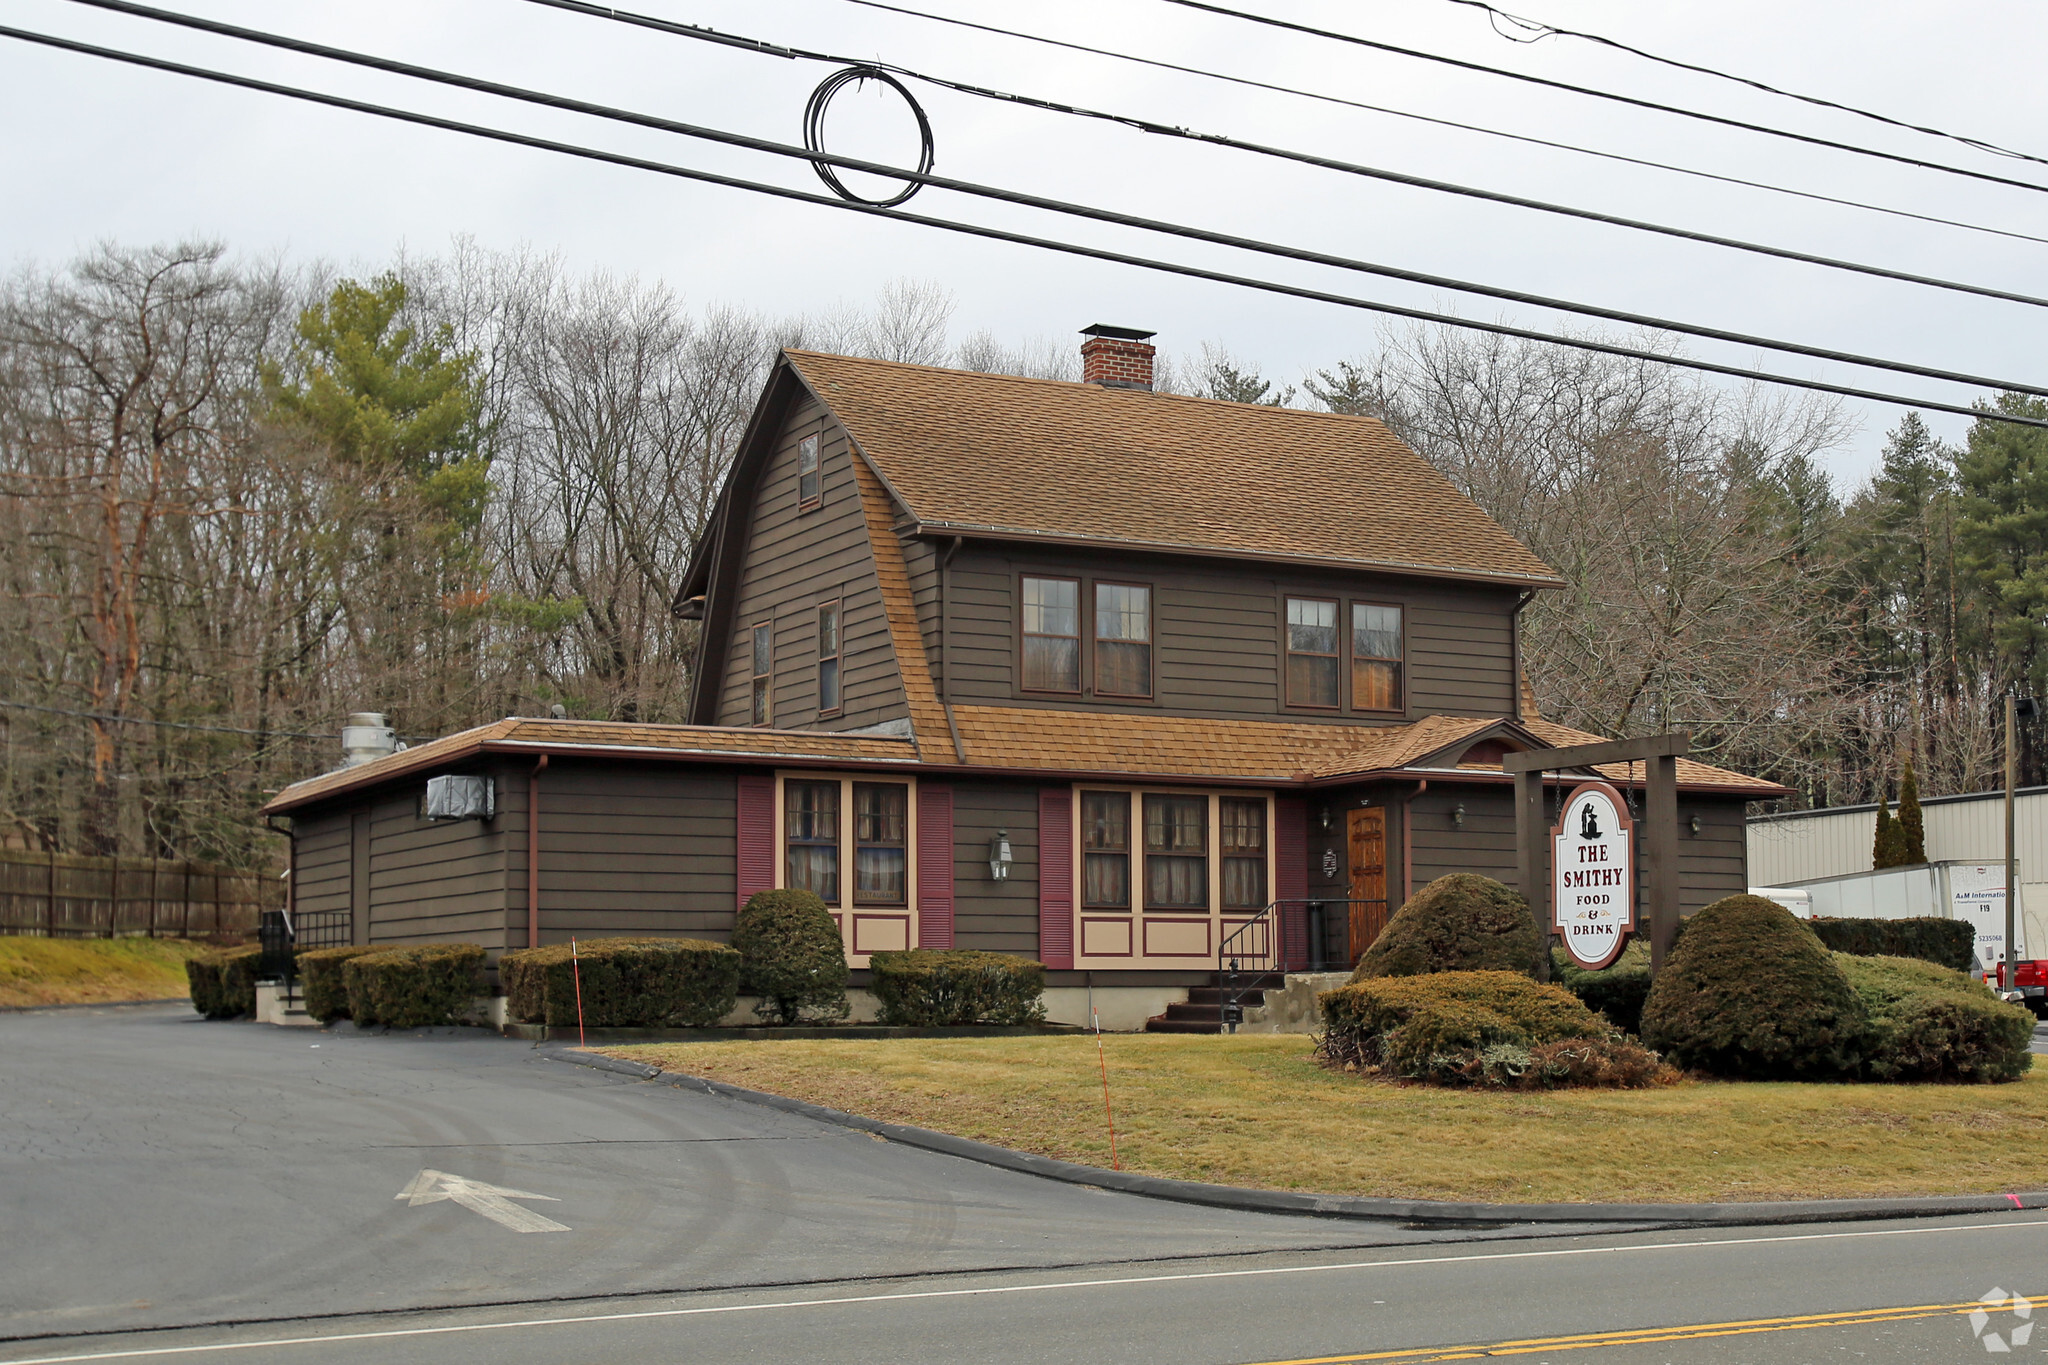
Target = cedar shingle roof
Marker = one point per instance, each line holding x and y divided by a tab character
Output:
892	576
1000	456
1029	740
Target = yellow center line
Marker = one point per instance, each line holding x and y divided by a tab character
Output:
1636	1336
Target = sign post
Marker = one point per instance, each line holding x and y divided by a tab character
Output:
1659	756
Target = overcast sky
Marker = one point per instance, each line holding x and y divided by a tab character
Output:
99	151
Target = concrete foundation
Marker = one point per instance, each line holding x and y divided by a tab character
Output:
1292	1008
1122	1009
273	1006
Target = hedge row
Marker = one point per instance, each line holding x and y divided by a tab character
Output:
793	958
1750	992
1616	991
624	983
223	984
321	981
415	987
1477	1028
928	988
1458	923
1950	943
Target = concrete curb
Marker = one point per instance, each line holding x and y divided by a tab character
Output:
95	1005
1430	1212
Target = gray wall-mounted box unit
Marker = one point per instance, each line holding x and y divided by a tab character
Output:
461	798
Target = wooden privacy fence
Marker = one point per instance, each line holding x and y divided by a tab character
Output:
63	895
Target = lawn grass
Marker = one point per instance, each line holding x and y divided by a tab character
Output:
82	971
1258	1111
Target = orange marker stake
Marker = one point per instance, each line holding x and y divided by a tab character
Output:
576	970
1102	1061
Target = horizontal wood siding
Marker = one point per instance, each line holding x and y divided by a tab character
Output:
1485	844
437	880
1217	634
320	861
999	917
630	849
1715	862
793	562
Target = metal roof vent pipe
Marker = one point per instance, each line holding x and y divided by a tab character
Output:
365	738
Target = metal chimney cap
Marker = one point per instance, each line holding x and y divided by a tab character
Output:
1103	329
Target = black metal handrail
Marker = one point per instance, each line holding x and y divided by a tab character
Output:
1255	942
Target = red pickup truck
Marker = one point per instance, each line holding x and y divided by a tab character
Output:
2029	986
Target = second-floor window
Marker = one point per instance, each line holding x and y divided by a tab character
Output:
763	667
1376	649
809	483
1052	635
1123	640
1312	652
828	658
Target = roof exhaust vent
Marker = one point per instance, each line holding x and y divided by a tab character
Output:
1117	357
365	738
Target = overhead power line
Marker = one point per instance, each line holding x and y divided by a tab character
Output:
1765	129
1004	235
1236	144
1539	30
1070	209
1326	98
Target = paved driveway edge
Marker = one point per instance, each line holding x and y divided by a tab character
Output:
1421	1211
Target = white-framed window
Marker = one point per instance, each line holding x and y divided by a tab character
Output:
1161	875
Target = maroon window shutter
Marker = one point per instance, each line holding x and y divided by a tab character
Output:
934	866
755	864
1290	879
1056	879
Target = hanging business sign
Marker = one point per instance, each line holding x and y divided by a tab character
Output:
1593	874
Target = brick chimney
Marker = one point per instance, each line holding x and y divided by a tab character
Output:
1117	357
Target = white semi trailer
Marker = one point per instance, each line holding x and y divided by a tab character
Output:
1943	890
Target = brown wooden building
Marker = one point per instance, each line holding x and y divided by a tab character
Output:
1082	671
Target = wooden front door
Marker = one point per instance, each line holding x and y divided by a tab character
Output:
1367	828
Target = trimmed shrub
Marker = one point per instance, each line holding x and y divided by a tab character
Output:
1750	992
927	988
321	982
1477	1028
1949	943
223	984
414	987
791	957
1931	1023
1617	991
626	983
1460	923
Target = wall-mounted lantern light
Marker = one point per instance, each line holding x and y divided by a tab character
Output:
999	859
1694	824
1458	816
1326	817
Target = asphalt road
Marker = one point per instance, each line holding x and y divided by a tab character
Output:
177	1190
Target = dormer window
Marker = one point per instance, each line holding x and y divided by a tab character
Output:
1052	634
809	485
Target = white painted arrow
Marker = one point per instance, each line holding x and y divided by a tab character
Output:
492	1201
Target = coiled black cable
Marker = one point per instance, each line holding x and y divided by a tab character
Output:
814	132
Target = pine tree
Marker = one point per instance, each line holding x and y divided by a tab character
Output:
1912	832
1882	844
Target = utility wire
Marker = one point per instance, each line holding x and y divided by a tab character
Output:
1419	118
1765	129
385	111
1236	144
1059	206
1540	30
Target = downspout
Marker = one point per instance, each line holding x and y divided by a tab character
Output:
945	673
533	852
1408	844
1515	647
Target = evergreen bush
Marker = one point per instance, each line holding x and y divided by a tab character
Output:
1477	1028
1931	1023
1458	923
223	984
625	982
1748	991
1950	943
1616	991
925	988
1912	836
791	956
321	983
414	987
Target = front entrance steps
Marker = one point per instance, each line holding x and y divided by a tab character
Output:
1203	1010
279	1003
